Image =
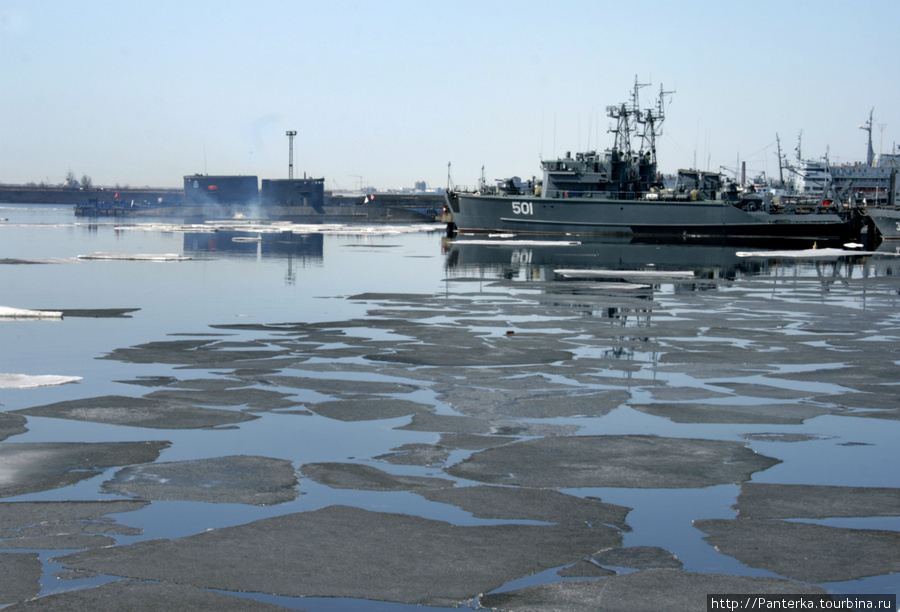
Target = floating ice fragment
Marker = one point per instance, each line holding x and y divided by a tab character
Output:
168	227
271	227
515	243
8	312
808	253
26	381
135	257
45	260
614	286
584	274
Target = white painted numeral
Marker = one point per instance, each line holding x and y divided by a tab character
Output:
522	208
521	256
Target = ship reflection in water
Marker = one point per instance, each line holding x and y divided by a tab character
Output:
511	257
297	250
620	281
251	244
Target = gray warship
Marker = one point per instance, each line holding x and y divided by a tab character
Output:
619	193
887	220
886	215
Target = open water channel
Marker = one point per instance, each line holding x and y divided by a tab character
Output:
377	418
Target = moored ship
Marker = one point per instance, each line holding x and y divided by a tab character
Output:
887	220
619	193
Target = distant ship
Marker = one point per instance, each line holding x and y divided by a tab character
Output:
865	183
619	193
872	187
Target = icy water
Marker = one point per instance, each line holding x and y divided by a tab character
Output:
396	349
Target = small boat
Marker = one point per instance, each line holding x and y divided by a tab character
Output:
620	193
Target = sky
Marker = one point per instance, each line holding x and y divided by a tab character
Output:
387	93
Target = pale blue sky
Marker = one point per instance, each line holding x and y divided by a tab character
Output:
143	93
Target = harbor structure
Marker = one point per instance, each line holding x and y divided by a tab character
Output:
222	190
307	192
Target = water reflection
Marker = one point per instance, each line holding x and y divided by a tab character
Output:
536	260
540	260
301	250
307	247
627	285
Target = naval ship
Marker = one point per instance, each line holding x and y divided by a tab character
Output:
619	193
869	183
872	187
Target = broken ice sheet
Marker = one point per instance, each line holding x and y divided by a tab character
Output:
139	412
8	312
28	381
260	481
340	551
134	256
40	466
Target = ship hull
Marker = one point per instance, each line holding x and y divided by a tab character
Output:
480	214
887	221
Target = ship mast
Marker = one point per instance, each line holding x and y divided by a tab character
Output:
622	131
637	114
652	122
780	162
870	153
632	122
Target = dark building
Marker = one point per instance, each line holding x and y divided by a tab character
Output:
293	192
203	189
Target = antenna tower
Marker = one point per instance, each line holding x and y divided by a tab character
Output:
290	135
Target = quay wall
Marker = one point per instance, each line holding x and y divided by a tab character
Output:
61	195
14	194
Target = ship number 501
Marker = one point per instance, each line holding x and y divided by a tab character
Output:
522	208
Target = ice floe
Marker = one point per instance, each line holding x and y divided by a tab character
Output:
27	381
619	286
810	253
516	243
274	227
169	227
46	260
135	256
8	312
585	274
